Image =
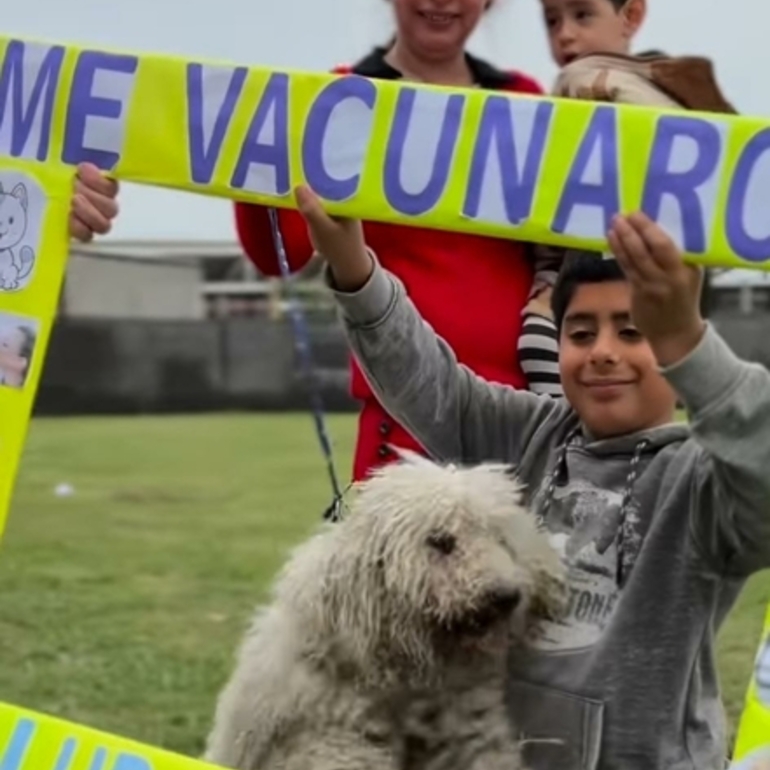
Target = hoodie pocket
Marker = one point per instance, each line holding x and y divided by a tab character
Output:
559	729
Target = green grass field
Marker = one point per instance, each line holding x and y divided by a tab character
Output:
121	606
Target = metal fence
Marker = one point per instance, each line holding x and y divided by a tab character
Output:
123	366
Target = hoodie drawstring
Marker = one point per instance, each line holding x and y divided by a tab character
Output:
626	557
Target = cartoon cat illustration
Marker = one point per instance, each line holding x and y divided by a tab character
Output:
14	267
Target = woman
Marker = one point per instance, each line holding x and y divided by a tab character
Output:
471	289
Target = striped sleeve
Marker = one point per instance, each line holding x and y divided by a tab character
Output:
539	355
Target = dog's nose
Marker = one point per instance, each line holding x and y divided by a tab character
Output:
504	600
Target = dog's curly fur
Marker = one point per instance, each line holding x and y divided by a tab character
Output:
385	645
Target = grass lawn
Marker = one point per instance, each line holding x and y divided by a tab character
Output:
121	605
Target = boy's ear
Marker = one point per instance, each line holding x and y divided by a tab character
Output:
634	13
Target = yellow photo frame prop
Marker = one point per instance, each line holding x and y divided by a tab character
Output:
754	728
35	201
514	166
34	741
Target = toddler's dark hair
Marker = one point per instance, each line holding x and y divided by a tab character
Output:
578	268
618	4
28	345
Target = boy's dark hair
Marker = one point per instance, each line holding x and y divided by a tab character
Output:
618	4
578	268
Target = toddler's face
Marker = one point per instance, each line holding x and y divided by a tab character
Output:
12	342
579	27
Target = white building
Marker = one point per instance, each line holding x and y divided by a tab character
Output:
741	291
171	280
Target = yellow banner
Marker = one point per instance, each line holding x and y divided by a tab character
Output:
32	741
34	208
753	739
546	170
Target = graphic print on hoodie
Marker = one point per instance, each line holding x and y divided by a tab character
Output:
598	531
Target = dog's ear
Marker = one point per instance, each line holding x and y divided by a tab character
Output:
548	603
350	601
544	565
549	578
549	595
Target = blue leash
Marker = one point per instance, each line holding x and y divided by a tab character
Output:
302	346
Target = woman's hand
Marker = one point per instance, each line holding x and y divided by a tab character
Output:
94	203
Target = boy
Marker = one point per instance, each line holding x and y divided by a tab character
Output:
591	41
659	524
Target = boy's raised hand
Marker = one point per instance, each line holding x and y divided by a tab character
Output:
339	241
665	290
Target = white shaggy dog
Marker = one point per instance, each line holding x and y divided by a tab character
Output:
386	642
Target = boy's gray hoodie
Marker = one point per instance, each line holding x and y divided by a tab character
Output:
660	530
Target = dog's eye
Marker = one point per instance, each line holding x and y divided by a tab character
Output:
443	542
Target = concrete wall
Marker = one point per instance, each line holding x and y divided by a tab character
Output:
137	288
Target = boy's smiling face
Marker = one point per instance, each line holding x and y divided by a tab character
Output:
579	27
608	370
